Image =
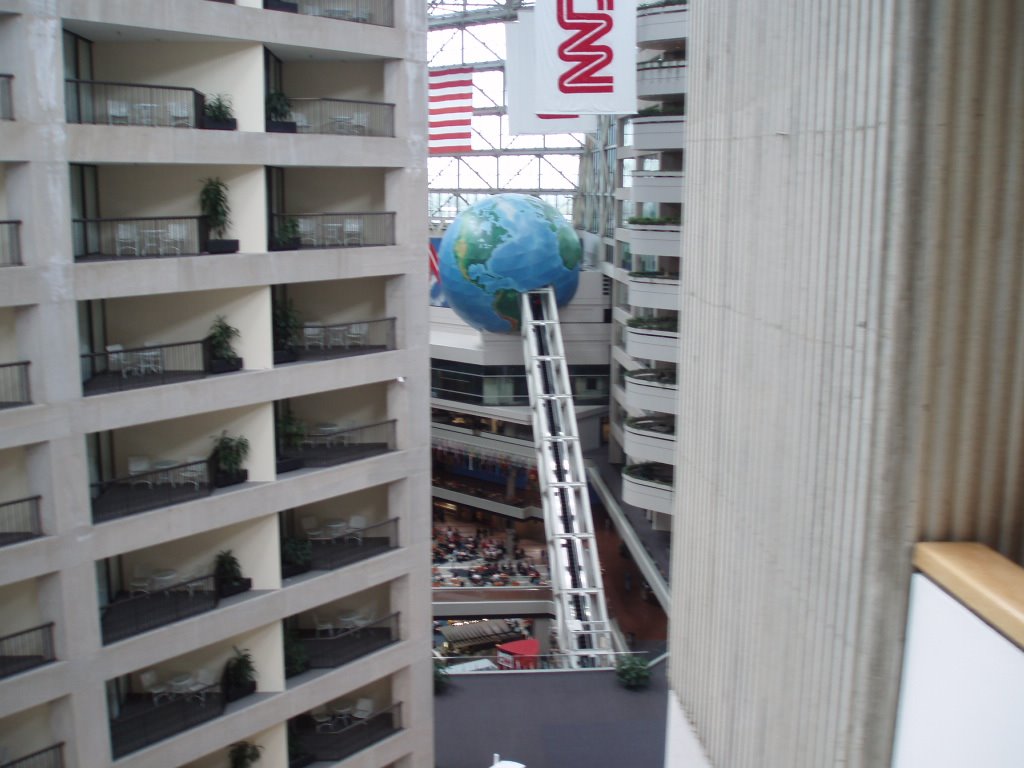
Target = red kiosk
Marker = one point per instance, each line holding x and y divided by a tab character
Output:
519	654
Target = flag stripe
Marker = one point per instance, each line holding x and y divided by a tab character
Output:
450	123
450	109
451	84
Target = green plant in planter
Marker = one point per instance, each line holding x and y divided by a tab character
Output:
243	754
221	335
240	670
213	202
296	657
295	551
231	453
287	323
279	108
287	232
633	671
290	430
218	107
226	567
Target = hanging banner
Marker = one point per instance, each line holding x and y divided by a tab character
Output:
585	56
520	86
451	110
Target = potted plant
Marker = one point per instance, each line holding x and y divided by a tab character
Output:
243	754
633	671
239	675
298	757
279	109
213	203
296	657
289	6
286	238
296	556
217	113
223	358
229	453
286	327
227	575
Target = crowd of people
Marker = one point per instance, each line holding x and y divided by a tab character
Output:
486	558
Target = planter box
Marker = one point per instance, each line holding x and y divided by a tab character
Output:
280	5
223	480
285	356
211	124
281	126
222	246
301	761
233	587
291	244
233	693
293	569
225	366
289	465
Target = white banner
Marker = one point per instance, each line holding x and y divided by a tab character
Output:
585	57
520	86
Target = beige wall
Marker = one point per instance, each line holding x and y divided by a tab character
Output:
8	335
232	69
13	475
339	301
350	407
253	542
375	603
187	317
371	503
194	435
334	79
27	732
19	606
273	740
334	190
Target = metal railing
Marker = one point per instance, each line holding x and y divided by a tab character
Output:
332	230
156	608
343	117
350	644
137	238
353	443
149	366
6	100
152	489
108	103
664	377
14	389
377	538
26	649
541	661
10	244
372	335
346	739
51	757
138	728
19	520
379	12
651	471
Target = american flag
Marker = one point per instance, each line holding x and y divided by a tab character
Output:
451	110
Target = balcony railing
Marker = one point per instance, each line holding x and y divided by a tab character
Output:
143	491
343	117
156	608
327	445
328	652
19	520
14	385
344	736
652	472
329	555
120	369
142	721
10	244
106	103
137	238
321	341
331	230
26	649
379	12
6	102
51	757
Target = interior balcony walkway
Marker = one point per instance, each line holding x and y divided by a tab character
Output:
333	745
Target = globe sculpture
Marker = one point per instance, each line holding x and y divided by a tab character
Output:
501	247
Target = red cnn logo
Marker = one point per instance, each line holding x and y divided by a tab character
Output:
582	49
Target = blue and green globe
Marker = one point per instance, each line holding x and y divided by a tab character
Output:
501	247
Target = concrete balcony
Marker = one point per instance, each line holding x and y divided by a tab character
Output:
659	132
652	390
648	486
662	28
651	439
378	12
661	79
653	344
654	291
10	243
657	187
651	239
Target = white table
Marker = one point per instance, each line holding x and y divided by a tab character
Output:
163	467
180	684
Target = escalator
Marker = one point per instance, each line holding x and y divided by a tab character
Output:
583	631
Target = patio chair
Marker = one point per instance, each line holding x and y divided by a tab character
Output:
361	620
178	115
119	360
356	525
138	469
174	237
308	233
353	231
311	527
324	720
205	683
194	472
139	584
117	112
302	124
363	710
126	239
313	336
151	684
356	334
323	625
